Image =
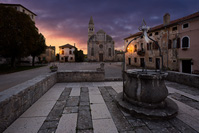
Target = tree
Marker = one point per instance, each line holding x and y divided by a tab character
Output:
79	55
38	48
17	34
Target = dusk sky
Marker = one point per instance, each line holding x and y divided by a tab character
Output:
66	21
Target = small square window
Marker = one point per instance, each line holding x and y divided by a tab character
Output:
156	33
174	28
150	34
185	25
126	40
174	61
141	36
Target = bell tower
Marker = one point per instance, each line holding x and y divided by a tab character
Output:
91	28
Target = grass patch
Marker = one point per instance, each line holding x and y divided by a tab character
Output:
5	69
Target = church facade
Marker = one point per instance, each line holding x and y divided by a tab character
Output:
100	46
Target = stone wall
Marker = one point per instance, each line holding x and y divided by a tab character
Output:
16	100
184	78
80	76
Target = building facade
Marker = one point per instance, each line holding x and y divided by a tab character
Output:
49	55
100	46
23	9
66	53
32	15
178	40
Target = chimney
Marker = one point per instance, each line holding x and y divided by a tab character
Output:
74	44
166	19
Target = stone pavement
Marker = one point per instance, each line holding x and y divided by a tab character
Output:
89	107
10	80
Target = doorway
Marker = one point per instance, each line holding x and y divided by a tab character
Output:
142	64
157	63
66	59
129	61
186	66
101	57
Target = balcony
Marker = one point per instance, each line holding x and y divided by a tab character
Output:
141	52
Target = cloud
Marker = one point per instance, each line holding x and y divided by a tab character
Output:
67	20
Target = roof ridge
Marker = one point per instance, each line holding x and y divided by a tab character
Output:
193	15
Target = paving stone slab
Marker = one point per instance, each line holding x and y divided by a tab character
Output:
72	101
97	84
181	126
75	91
94	91
40	108
84	131
68	110
25	125
49	125
142	129
84	97
104	126
135	122
96	99
67	123
84	118
100	111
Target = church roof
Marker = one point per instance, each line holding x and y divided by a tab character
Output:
101	31
91	20
109	38
67	46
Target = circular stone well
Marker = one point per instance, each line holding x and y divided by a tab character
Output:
145	95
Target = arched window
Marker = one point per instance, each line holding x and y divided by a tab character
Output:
109	51
92	51
62	52
70	52
185	42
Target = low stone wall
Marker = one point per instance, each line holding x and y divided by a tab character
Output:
16	100
183	78
80	76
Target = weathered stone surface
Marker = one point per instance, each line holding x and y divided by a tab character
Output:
181	126
183	78
80	76
22	96
159	113
85	131
26	125
72	101
104	126
52	120
135	122
68	110
67	123
84	118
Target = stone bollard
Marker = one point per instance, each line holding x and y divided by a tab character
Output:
101	67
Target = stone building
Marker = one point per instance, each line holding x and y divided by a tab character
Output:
49	55
66	53
178	40
100	46
32	15
23	9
